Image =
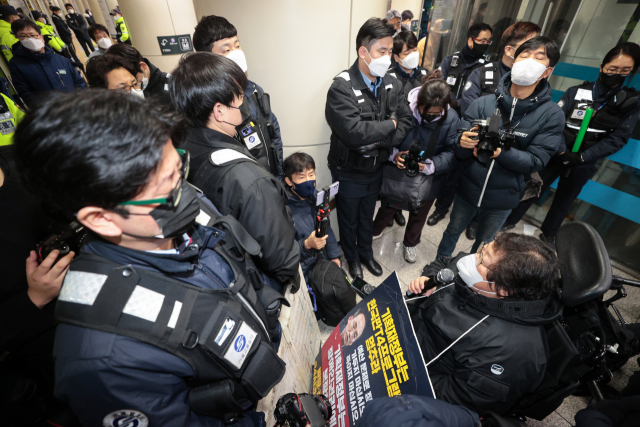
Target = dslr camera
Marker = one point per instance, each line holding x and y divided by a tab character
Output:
490	138
298	410
65	238
411	159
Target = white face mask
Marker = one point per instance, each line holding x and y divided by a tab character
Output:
145	82
468	271
138	93
411	61
70	11
105	43
379	66
32	44
238	57
527	72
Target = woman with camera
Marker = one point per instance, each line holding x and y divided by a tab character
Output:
418	170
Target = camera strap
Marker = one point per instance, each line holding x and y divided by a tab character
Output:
433	140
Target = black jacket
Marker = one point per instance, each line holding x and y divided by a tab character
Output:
538	122
355	124
249	193
473	89
408	81
498	361
77	23
158	87
63	29
616	139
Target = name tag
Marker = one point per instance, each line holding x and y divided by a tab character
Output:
578	114
584	94
62	71
240	346
252	140
451	80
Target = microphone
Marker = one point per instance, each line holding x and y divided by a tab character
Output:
444	277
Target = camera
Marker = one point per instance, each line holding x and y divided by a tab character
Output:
298	410
65	238
412	158
490	138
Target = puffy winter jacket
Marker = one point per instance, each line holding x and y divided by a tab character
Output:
539	124
42	72
499	360
303	213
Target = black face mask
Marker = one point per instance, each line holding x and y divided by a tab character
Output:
479	49
430	117
246	115
174	222
611	81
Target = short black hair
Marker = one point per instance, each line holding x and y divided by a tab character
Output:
55	9
101	155
209	30
68	6
19	9
435	92
129	54
21	24
528	269
404	38
200	81
94	28
475	30
550	48
372	30
407	14
297	163
518	32
99	66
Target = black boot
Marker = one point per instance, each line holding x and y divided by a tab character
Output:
399	218
435	218
472	230
355	269
373	266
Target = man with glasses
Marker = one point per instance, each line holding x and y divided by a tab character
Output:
114	73
35	68
498	303
457	67
616	109
162	321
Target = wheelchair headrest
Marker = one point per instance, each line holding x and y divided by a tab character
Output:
586	269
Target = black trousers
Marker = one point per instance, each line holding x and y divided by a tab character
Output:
356	204
568	189
85	42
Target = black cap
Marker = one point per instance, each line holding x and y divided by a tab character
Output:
114	11
6	11
36	14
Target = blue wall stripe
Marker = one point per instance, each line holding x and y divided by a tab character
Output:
582	72
610	199
556	95
629	155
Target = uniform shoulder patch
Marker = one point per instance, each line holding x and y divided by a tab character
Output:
126	417
489	65
497	369
343	75
424	72
561	103
226	155
393	74
467	85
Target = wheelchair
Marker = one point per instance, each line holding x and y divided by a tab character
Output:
584	343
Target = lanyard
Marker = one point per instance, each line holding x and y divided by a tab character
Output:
594	96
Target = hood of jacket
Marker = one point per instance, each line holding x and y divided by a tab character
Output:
20	51
540	95
529	313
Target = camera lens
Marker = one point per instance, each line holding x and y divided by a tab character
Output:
324	406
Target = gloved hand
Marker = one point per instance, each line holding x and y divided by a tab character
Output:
571	159
371	149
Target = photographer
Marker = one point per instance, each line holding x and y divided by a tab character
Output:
132	341
494	186
499	302
208	89
434	125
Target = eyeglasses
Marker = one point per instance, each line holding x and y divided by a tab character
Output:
614	70
27	36
174	197
137	85
479	252
484	41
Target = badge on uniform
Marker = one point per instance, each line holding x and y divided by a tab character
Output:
125	417
250	136
488	74
578	114
7	127
451	80
62	71
240	346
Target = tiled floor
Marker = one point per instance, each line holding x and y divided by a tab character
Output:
388	252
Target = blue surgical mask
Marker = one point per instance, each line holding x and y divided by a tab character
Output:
305	189
468	271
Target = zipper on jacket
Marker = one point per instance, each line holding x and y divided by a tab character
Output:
63	85
513	108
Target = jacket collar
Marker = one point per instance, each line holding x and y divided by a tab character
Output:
214	139
531	313
297	201
356	78
23	52
540	95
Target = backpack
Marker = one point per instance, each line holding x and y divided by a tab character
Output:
334	296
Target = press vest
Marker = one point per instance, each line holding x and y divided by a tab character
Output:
414	81
258	135
225	335
457	74
371	109
603	120
489	78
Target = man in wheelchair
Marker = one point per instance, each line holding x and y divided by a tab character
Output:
483	336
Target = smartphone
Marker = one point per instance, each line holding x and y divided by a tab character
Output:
361	287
